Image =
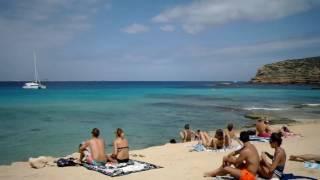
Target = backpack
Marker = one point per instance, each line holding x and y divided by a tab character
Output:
65	162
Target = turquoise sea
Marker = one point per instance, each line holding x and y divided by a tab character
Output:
54	121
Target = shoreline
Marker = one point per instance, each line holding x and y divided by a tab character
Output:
177	161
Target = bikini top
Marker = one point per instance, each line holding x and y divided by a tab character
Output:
120	148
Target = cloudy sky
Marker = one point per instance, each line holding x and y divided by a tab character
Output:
153	40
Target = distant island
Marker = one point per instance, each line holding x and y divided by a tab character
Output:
293	71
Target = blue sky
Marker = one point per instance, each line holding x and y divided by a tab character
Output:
124	40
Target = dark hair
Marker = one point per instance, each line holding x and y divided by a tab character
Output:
285	129
119	132
260	120
198	131
276	137
244	136
173	141
219	134
187	126
230	126
95	132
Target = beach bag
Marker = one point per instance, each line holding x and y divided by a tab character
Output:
65	162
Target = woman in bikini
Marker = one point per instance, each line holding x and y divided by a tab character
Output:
120	147
221	140
267	169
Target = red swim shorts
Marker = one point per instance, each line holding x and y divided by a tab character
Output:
246	175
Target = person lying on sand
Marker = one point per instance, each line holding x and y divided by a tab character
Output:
186	134
262	128
230	132
269	170
305	157
245	165
221	140
285	132
96	146
120	147
204	138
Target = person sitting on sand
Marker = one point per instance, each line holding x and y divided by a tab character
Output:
305	157
245	165
96	146
120	147
221	140
262	129
186	134
268	170
230	132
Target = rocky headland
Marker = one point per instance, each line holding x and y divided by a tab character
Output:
294	71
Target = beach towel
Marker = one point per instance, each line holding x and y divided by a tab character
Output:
259	139
311	165
292	176
201	148
121	169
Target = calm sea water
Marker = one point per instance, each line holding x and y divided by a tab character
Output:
54	121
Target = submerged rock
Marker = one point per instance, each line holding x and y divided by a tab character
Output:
272	119
305	71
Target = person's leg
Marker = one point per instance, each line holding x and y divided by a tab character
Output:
264	172
232	171
81	154
305	157
217	172
264	160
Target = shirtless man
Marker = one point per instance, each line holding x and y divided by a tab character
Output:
246	164
262	129
96	145
186	134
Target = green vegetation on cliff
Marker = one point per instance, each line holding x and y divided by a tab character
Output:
305	70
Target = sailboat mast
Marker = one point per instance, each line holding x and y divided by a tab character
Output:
35	66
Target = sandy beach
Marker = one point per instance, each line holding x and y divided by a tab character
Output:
177	161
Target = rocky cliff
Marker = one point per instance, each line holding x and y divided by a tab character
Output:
305	70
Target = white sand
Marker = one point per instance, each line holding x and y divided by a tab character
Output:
177	161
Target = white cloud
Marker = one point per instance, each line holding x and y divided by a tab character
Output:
135	28
200	14
167	28
257	48
44	23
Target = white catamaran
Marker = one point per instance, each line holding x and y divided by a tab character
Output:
36	84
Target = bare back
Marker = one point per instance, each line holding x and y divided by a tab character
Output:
97	149
261	127
121	148
187	135
251	157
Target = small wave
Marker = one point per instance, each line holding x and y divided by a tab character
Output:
311	105
265	108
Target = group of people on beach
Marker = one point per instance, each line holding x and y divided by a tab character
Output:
93	151
221	139
244	163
